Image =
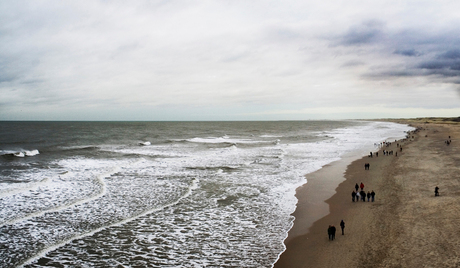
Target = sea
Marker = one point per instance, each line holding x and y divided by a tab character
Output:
162	194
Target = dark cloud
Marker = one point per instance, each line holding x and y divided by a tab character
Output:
445	64
453	54
434	56
452	65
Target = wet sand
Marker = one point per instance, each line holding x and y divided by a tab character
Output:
406	226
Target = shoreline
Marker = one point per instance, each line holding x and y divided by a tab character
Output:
312	196
373	230
306	244
321	185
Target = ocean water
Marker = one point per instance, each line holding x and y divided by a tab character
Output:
161	194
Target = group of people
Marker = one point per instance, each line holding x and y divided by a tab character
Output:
362	194
331	230
367	166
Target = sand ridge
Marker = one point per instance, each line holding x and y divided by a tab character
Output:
406	226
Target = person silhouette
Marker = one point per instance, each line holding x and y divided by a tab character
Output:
333	230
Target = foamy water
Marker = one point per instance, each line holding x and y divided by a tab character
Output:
194	194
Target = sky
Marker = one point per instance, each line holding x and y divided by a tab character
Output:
229	59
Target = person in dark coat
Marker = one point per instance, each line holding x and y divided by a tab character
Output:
353	195
333	230
368	196
356	186
342	225
329	232
372	195
363	195
436	191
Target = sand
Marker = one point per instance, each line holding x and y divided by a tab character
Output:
406	226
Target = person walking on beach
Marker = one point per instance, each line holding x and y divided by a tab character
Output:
372	195
342	225
353	195
363	195
368	196
357	196
329	232
436	191
362	186
333	230
356	187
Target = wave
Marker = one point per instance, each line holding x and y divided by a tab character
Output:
145	143
271	136
99	179
42	253
226	140
20	153
81	148
217	169
26	187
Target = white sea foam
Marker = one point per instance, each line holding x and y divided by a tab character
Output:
23	188
38	255
99	179
145	143
226	139
31	153
20	153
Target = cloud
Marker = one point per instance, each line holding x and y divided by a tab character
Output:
353	63
364	33
435	57
407	52
452	54
103	56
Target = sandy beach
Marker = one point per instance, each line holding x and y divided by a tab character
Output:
406	226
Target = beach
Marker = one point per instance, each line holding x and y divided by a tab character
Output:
406	226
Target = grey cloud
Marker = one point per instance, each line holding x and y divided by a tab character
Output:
407	52
453	65
453	54
15	70
7	70
353	63
425	54
6	77
365	33
445	64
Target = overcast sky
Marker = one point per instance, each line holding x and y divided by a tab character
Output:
228	60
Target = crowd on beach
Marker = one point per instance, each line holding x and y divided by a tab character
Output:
360	194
